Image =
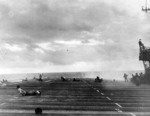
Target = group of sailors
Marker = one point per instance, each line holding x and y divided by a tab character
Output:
40	79
74	79
4	81
97	79
136	78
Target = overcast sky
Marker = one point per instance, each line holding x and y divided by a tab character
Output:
71	35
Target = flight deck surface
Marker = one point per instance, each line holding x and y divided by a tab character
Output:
82	98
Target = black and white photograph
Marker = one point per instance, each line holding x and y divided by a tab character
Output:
74	57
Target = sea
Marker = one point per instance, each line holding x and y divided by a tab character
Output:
106	75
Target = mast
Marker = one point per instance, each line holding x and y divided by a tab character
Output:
146	9
146	6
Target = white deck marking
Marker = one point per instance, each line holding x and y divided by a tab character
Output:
118	105
2	104
118	110
48	81
108	98
102	93
94	88
15	97
132	114
12	99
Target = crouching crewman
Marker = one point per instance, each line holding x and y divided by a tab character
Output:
28	93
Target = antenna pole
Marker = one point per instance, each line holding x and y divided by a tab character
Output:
146	6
